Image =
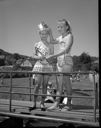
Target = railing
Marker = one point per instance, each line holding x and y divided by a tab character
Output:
48	73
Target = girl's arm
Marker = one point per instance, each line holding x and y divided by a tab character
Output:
67	47
52	40
37	57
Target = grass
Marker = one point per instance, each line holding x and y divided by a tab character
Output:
82	88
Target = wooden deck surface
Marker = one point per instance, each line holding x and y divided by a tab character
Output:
77	112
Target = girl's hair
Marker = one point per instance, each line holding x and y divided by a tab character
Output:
43	26
66	23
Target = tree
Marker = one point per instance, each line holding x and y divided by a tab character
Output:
10	60
85	58
2	62
95	67
16	56
82	62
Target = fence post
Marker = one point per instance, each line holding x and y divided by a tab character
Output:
10	92
30	86
95	96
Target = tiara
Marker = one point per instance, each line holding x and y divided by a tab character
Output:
42	26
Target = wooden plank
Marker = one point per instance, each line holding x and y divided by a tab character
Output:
67	115
26	116
58	114
22	106
25	104
76	112
25	108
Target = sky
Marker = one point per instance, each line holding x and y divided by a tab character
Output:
19	21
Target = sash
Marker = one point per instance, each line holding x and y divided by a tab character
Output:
41	48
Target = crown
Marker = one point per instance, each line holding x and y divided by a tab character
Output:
43	26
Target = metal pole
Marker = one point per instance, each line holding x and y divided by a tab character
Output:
42	91
30	86
97	100
10	92
95	97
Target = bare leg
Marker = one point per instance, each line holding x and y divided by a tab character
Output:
59	88
38	80
59	92
63	80
44	87
67	84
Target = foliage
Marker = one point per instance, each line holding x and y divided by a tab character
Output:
84	62
16	56
85	58
10	60
2	62
95	67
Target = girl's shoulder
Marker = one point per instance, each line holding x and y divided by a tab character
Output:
37	44
69	36
58	38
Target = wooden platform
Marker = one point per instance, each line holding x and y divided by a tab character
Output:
78	113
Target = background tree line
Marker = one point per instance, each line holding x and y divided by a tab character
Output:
84	62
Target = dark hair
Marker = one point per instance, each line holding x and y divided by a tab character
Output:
66	23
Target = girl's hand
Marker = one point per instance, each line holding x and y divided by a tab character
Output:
42	57
51	59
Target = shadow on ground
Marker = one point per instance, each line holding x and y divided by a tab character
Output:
19	123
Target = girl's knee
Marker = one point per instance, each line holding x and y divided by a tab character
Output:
33	81
38	79
36	85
